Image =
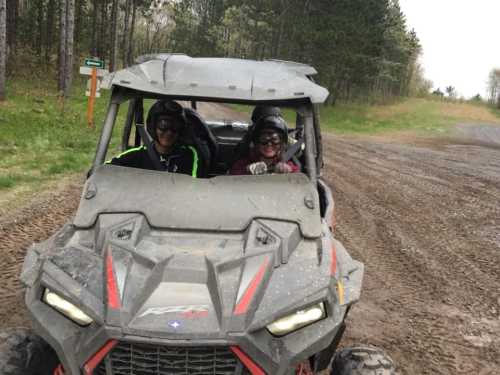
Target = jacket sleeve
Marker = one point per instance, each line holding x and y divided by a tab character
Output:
239	167
130	158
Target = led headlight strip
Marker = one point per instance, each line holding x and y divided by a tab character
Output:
66	308
299	319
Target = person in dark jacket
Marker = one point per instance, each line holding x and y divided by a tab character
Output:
166	126
269	138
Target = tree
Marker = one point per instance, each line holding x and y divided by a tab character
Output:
67	25
494	87
438	93
12	19
451	92
3	46
362	49
114	36
477	98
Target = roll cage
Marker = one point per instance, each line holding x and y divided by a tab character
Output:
307	124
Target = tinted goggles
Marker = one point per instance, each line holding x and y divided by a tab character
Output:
273	139
165	124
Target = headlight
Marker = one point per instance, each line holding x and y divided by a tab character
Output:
66	308
297	320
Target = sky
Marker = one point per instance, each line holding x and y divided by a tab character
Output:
460	40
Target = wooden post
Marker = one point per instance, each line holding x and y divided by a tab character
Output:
90	108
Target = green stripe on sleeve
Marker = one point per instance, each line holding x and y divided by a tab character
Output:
194	171
126	152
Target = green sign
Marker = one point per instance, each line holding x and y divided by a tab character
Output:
94	63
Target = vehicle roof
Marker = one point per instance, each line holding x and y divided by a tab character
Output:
219	78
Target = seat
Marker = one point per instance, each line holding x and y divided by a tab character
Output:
202	140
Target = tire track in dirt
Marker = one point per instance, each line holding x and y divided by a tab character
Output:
426	223
18	231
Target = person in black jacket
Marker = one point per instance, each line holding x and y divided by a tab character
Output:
166	126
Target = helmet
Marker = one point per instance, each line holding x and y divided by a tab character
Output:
167	108
273	122
262	110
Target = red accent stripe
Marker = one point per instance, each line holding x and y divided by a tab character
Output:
333	266
94	361
245	300
247	361
113	296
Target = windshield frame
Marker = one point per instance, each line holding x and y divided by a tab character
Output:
307	114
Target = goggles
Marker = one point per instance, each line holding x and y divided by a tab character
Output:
165	124
272	139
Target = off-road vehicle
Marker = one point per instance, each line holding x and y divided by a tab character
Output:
162	273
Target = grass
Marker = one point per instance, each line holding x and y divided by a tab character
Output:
423	116
418	115
39	142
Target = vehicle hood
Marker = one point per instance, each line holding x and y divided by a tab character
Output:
180	202
176	285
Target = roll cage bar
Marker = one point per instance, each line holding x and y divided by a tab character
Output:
307	117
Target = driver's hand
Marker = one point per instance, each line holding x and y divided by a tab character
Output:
257	168
282	168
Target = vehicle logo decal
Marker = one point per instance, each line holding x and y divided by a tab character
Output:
175	324
189	311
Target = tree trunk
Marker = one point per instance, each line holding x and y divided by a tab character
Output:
77	35
102	38
125	33
114	36
49	30
130	52
3	46
95	14
62	44
39	38
70	26
12	16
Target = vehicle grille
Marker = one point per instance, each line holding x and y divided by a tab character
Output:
143	359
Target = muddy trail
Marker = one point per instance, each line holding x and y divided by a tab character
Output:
426	222
424	219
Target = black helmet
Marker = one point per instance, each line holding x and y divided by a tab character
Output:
167	108
262	110
273	122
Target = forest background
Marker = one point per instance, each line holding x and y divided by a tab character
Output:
362	49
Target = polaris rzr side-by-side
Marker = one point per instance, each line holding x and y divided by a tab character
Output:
164	273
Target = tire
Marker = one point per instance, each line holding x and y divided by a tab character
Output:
362	360
24	353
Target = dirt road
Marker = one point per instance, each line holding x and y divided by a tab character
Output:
426	223
424	219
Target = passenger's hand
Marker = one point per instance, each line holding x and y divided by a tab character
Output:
257	168
282	168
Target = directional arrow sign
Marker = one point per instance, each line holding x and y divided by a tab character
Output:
94	63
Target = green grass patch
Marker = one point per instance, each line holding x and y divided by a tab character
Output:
42	140
417	115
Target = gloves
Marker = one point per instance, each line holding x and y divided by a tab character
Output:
257	168
282	168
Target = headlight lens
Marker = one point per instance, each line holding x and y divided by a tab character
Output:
66	308
297	320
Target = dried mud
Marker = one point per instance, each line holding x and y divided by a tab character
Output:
425	220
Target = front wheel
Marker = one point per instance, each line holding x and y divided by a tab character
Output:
24	353
362	360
